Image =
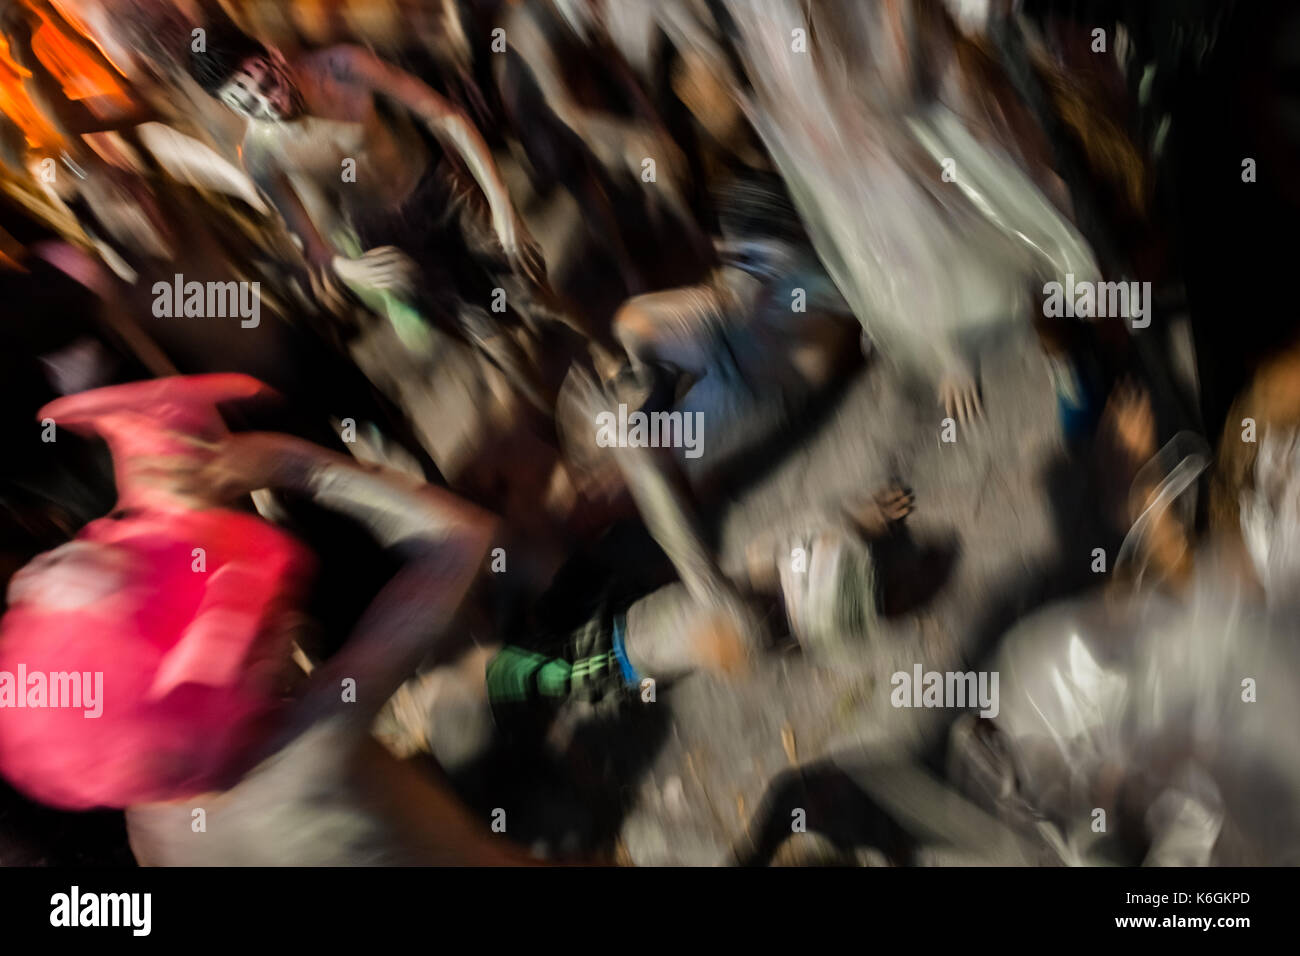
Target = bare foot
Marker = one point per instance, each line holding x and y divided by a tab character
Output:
724	639
960	395
876	513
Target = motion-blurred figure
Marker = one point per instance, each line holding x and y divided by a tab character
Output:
186	610
331	158
1166	704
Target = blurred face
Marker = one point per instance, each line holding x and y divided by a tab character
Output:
262	90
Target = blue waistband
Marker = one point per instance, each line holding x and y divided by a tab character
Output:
630	676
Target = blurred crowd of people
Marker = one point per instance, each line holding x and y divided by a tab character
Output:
428	339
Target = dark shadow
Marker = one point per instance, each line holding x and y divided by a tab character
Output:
572	803
912	572
833	806
732	476
34	835
564	774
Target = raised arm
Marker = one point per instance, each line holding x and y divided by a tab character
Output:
354	65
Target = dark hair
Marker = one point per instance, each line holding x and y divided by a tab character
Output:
757	204
225	48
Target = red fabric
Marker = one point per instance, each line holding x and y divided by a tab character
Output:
154	418
186	655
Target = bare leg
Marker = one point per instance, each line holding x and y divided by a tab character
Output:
673	328
656	488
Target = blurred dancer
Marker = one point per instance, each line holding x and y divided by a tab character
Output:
586	122
325	792
749	347
822	577
191	655
935	242
1148	700
331	141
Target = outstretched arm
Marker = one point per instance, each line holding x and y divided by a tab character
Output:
442	539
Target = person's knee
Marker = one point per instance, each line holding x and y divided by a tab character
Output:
634	328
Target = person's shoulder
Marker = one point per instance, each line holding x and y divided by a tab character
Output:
343	62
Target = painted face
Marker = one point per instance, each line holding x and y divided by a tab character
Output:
262	90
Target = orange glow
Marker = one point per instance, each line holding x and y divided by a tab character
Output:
79	25
80	74
18	106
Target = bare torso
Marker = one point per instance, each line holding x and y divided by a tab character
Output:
340	122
